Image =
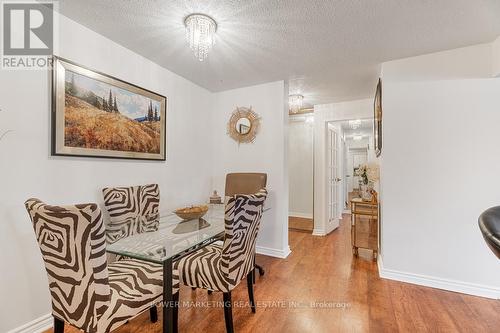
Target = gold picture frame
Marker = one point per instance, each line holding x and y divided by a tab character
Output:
97	115
377	119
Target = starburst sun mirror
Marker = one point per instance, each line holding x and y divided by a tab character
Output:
243	125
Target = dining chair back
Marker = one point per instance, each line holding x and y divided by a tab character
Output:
244	183
217	268
132	210
242	222
86	292
72	242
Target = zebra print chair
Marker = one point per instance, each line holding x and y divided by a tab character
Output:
132	210
86	291
221	268
246	183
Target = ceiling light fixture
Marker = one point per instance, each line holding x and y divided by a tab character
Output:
355	124
200	32
295	102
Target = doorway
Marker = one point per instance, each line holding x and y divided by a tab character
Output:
301	170
349	144
355	157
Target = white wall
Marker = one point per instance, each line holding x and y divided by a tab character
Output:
438	175
359	109
439	141
300	165
27	169
495	46
267	154
463	63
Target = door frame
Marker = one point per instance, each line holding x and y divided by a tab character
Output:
361	109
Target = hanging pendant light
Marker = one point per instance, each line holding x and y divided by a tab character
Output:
200	33
355	124
295	102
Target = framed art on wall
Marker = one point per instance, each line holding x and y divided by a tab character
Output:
377	118
97	115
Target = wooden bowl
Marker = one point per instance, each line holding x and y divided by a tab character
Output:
192	212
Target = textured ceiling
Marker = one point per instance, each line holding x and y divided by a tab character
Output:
328	50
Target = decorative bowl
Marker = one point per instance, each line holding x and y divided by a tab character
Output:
192	212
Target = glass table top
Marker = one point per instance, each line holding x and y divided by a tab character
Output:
173	236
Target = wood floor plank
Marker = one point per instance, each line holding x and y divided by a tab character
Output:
322	270
300	224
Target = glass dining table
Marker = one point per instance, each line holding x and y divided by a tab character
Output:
173	239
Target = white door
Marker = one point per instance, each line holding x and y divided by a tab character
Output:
333	180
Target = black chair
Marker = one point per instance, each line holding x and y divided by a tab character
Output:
489	224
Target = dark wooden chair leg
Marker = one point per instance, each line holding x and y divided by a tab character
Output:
250	290
153	314
261	269
58	325
253	271
228	312
176	312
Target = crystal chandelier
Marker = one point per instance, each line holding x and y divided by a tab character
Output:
295	102
355	124
200	32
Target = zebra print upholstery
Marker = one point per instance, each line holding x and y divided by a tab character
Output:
87	292
222	268
132	210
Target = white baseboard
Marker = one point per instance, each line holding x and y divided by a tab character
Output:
438	283
277	253
318	232
328	228
303	215
36	326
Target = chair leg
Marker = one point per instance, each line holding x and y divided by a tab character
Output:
153	314
176	311
250	290
253	271
58	325
261	269
228	312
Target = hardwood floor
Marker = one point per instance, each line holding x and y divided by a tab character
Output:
322	269
300	224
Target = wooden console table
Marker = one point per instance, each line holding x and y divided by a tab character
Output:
364	211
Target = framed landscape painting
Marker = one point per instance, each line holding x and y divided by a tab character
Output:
96	115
